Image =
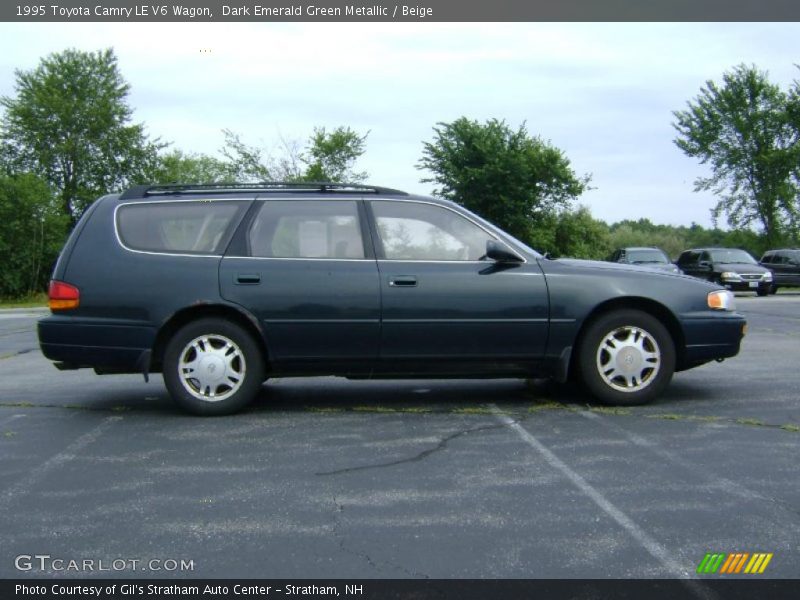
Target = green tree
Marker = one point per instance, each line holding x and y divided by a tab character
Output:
505	175
70	123
326	157
177	166
578	234
246	163
332	156
744	130
32	231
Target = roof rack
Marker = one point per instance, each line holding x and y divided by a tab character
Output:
139	191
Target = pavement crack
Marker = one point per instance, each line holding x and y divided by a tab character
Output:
337	533
17	353
416	458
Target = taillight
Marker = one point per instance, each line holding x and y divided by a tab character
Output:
63	296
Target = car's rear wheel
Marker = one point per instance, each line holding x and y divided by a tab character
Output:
626	357
213	367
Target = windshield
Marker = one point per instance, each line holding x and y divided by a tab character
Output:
649	255
731	255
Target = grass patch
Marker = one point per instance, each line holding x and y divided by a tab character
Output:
319	409
32	301
549	405
753	422
791	427
610	410
9	434
473	410
668	416
374	409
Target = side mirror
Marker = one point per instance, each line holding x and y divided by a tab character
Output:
704	264
501	253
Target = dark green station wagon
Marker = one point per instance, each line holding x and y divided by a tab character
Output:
220	287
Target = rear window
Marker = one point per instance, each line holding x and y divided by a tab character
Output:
196	227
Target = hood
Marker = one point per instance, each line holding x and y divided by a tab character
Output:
666	269
739	268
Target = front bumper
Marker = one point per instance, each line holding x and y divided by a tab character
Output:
747	286
711	336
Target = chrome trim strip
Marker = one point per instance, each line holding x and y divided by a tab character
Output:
283	321
465	320
321	259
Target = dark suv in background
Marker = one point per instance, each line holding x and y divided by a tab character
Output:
221	287
732	268
652	257
784	265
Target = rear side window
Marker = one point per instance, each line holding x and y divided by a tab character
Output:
307	229
196	227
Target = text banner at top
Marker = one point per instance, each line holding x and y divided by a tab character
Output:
426	11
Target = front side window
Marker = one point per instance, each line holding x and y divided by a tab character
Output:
307	229
187	227
416	231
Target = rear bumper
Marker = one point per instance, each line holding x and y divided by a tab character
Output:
82	342
711	337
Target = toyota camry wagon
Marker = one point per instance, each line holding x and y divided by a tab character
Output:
220	287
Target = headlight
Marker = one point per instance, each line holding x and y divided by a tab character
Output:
721	300
766	277
731	276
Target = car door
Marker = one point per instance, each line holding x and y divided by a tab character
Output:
443	302
688	263
302	267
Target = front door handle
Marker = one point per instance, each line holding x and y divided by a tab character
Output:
248	278
403	281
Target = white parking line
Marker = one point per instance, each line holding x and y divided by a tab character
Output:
722	483
36	474
656	550
21	315
7	420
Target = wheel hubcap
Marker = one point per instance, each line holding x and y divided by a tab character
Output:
628	359
211	367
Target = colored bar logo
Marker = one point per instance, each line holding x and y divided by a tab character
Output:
734	562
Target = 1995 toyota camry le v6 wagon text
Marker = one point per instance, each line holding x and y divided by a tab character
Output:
221	287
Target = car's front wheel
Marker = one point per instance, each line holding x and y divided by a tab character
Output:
626	357
213	367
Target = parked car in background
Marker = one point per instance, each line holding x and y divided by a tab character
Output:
784	265
220	287
732	268
644	256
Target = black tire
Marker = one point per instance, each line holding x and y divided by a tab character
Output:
233	365
773	289
763	291
637	333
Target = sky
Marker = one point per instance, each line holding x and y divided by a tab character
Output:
602	93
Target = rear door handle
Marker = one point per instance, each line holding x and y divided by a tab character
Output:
403	281
248	278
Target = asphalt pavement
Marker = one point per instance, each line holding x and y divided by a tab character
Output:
325	477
